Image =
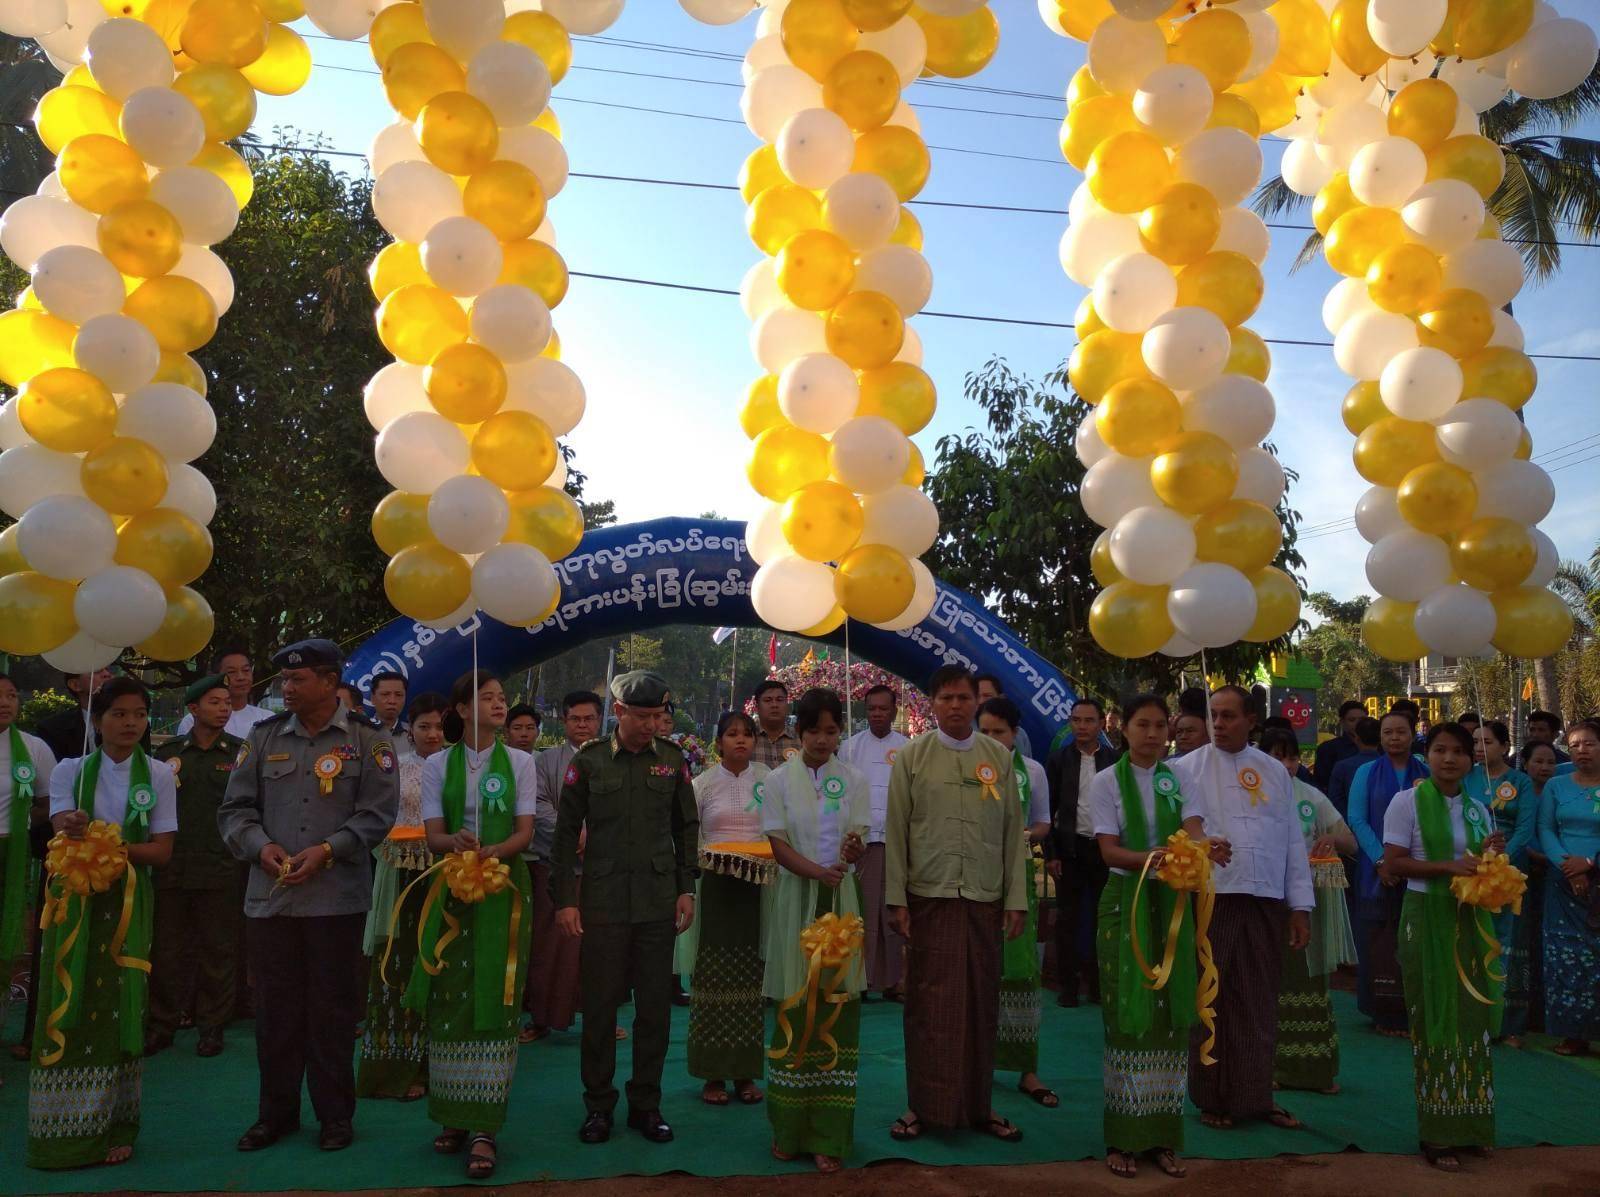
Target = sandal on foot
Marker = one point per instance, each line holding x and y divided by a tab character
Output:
1282	1119
119	1155
903	1131
1442	1158
781	1155
1045	1097
714	1093
1002	1129
748	1092
1167	1160
826	1163
1215	1121
414	1093
532	1034
1332	1090
1571	1047
480	1165
1122	1164
450	1140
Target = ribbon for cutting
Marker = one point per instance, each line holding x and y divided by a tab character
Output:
987	776
14	896
830	943
1497	884
1185	868
1250	780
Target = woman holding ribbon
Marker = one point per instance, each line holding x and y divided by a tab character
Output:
1569	832
478	801
721	951
114	818
1433	832
394	1040
1307	1052
1508	794
816	811
26	763
1137	805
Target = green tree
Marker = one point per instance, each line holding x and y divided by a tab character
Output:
1349	668
25	75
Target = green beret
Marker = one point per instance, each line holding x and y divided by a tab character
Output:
204	686
641	688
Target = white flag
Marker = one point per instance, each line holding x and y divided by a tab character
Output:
721	634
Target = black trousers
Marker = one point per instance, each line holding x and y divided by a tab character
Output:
194	956
615	958
1083	876
308	1001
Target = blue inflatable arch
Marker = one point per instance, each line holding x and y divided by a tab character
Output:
632	577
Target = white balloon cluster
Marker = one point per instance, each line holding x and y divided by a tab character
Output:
1388	142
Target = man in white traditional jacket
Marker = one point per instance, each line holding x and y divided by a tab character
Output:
872	752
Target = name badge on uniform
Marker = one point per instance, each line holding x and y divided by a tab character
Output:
662	770
327	768
271	756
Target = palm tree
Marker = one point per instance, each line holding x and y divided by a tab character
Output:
1578	666
25	75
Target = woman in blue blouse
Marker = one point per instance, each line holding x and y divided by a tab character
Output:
1539	762
1379	993
1508	794
1569	832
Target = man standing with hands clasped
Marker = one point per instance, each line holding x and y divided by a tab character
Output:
631	792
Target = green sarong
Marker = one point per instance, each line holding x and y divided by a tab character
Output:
813	1111
394	1041
1307	1055
726	1020
1017	1041
1146	1075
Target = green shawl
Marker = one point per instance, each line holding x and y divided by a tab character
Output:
23	781
1137	1009
1021	955
1447	924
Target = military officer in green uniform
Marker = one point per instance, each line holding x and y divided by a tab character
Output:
631	792
197	914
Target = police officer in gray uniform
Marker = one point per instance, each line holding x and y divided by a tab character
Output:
312	792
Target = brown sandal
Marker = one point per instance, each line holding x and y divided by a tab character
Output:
1003	1129
450	1140
1167	1160
480	1166
826	1163
1282	1119
748	1092
714	1093
1122	1164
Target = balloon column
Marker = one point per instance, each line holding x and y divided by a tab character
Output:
468	414
843	521
1388	142
1165	123
111	407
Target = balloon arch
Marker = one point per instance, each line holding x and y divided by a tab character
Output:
678	571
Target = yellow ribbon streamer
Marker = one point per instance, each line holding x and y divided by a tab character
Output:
509	996
471	878
120	936
1185	868
830	942
1497	884
78	869
52	1023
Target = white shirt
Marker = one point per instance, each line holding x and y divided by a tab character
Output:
1402	828
1086	775
874	759
1269	853
954	744
830	824
44	764
1105	802
522	774
729	812
239	722
1038	792
111	792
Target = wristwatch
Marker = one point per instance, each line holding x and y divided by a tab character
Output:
328	848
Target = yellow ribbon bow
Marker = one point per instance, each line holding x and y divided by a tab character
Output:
79	869
1497	884
1186	869
987	776
829	942
471	878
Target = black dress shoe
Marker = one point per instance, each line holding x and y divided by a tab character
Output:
155	1043
210	1042
263	1134
596	1128
336	1135
651	1125
1064	998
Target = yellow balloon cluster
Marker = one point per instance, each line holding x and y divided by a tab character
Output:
1165	121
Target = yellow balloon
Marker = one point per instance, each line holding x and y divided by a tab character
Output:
1194	472
1347	24
65	113
1359	236
1389	448
865	328
873	16
959	46
1492	553
1103	359
67	409
551	124
830	622
183	370
1091	121
874	583
99	172
1486	27
1502	373
226	32
11	559
917	471
1240	533
1085	320
897	155
1182	226
780	212
414	74
415	322
1080	18
1490	229
784	459
863	89
760	411
178	311
552	349
398	263
165	543
1216	42
1128	171
230	168
35	613
1524	449
1277	605
224	97
1530	622
545	36
1459	321
400	519
505	197
31	342
1388	628
458	133
1082	87
1271	97
1248	355
1130	620
1424	111
1437	497
1234	111
124	475
396	26
184	632
1104	569
816	34
427	581
1305	44
1470	157
166	17
537	266
140	237
815	269
466	383
1224	282
823	521
901	393
1333	201
760	171
1403	276
1363	406
1137	416
908	231
546	518
515	450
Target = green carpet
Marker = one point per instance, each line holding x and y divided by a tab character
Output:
194	1110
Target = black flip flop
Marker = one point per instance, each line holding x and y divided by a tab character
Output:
1045	1097
1003	1129
903	1131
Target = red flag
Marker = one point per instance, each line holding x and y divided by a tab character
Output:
772	651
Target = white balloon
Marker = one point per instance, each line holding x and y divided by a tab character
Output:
392	392
191	492
32	18
394	143
514	583
1114	486
1366	342
548	389
1545	563
203	204
1089	245
818	392
1087	442
1507	332
1402	28
511	80
815	148
66	45
901	517
1082	205
584	17
117	350
1134	291
171	418
200	265
1492	268
1478	433
1378	515
119	605
541	152
763	535
1477	88
758	290
124	55
30	473
1408	564
1261	478
12	433
1339	85
899	272
863	209
1303	169
1466	121
1387	172
1515	489
1398	72
1122	53
468	513
1224	160
463	27
454	620
36	224
1235	407
77	283
1444	215
511	322
763	52
903	44
1243	232
784	334
82	654
718	12
910	348
1211	604
346	20
774	95
1420	384
1455	620
418	451
1345	128
922	600
792	594
462	256
66	536
1186	348
868	454
164	126
411	197
1173	102
1552	58
1152	545
1346	298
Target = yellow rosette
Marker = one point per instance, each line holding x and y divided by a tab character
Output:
1185	868
327	769
1250	780
1497	884
988	776
1504	794
830	942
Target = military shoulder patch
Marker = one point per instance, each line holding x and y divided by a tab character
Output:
571	778
383	756
244	755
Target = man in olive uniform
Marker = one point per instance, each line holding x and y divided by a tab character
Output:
197	916
632	792
312	792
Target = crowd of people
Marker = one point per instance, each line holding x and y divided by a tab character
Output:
430	886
